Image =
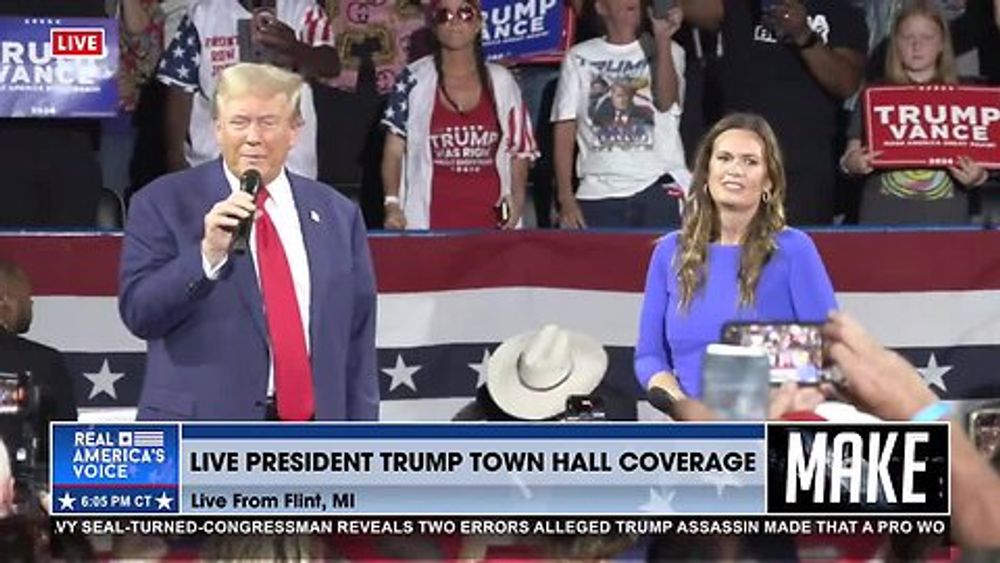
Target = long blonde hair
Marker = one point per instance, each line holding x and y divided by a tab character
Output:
946	71
701	223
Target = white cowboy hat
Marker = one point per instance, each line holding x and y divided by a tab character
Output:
531	375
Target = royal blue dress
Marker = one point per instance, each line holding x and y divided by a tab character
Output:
794	286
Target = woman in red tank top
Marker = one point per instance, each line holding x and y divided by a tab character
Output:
465	135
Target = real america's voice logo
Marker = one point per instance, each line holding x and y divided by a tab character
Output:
858	469
115	469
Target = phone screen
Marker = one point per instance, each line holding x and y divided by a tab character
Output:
984	429
794	350
249	51
661	8
766	6
765	11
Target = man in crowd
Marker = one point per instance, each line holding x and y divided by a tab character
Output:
285	331
293	34
44	367
793	62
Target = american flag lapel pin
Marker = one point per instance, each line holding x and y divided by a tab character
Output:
314	215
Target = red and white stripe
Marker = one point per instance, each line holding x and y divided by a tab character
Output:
522	142
911	289
316	27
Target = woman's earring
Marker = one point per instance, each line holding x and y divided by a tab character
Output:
766	196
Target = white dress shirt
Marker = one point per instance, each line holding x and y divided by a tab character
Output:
280	207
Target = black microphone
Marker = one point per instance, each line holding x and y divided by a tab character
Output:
660	399
249	183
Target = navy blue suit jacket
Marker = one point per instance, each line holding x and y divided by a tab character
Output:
208	352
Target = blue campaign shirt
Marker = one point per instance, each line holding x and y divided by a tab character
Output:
794	286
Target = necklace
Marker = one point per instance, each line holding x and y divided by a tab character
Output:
449	99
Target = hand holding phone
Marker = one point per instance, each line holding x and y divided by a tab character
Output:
661	8
502	211
984	429
787	19
768	6
735	382
263	19
249	52
249	31
270	40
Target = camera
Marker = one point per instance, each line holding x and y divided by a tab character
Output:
13	395
19	412
584	408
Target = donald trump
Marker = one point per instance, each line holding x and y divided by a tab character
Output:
285	331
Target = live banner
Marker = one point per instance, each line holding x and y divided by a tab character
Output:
725	473
58	67
932	126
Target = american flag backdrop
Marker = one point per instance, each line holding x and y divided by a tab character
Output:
447	301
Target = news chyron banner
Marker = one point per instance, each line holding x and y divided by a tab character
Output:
721	472
58	67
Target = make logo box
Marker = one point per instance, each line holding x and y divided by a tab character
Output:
865	470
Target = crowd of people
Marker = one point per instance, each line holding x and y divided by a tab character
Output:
601	132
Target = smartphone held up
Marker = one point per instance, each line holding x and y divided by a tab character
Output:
661	8
736	382
263	13
794	350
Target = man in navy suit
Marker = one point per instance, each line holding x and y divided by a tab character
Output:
285	331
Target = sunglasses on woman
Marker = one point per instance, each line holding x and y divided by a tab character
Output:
465	14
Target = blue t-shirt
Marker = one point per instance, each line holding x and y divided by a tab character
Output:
793	286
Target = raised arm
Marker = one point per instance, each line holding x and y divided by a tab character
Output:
838	69
177	116
179	71
666	84
881	382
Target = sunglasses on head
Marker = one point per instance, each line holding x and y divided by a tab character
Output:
465	14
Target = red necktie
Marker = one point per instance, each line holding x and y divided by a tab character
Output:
292	373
